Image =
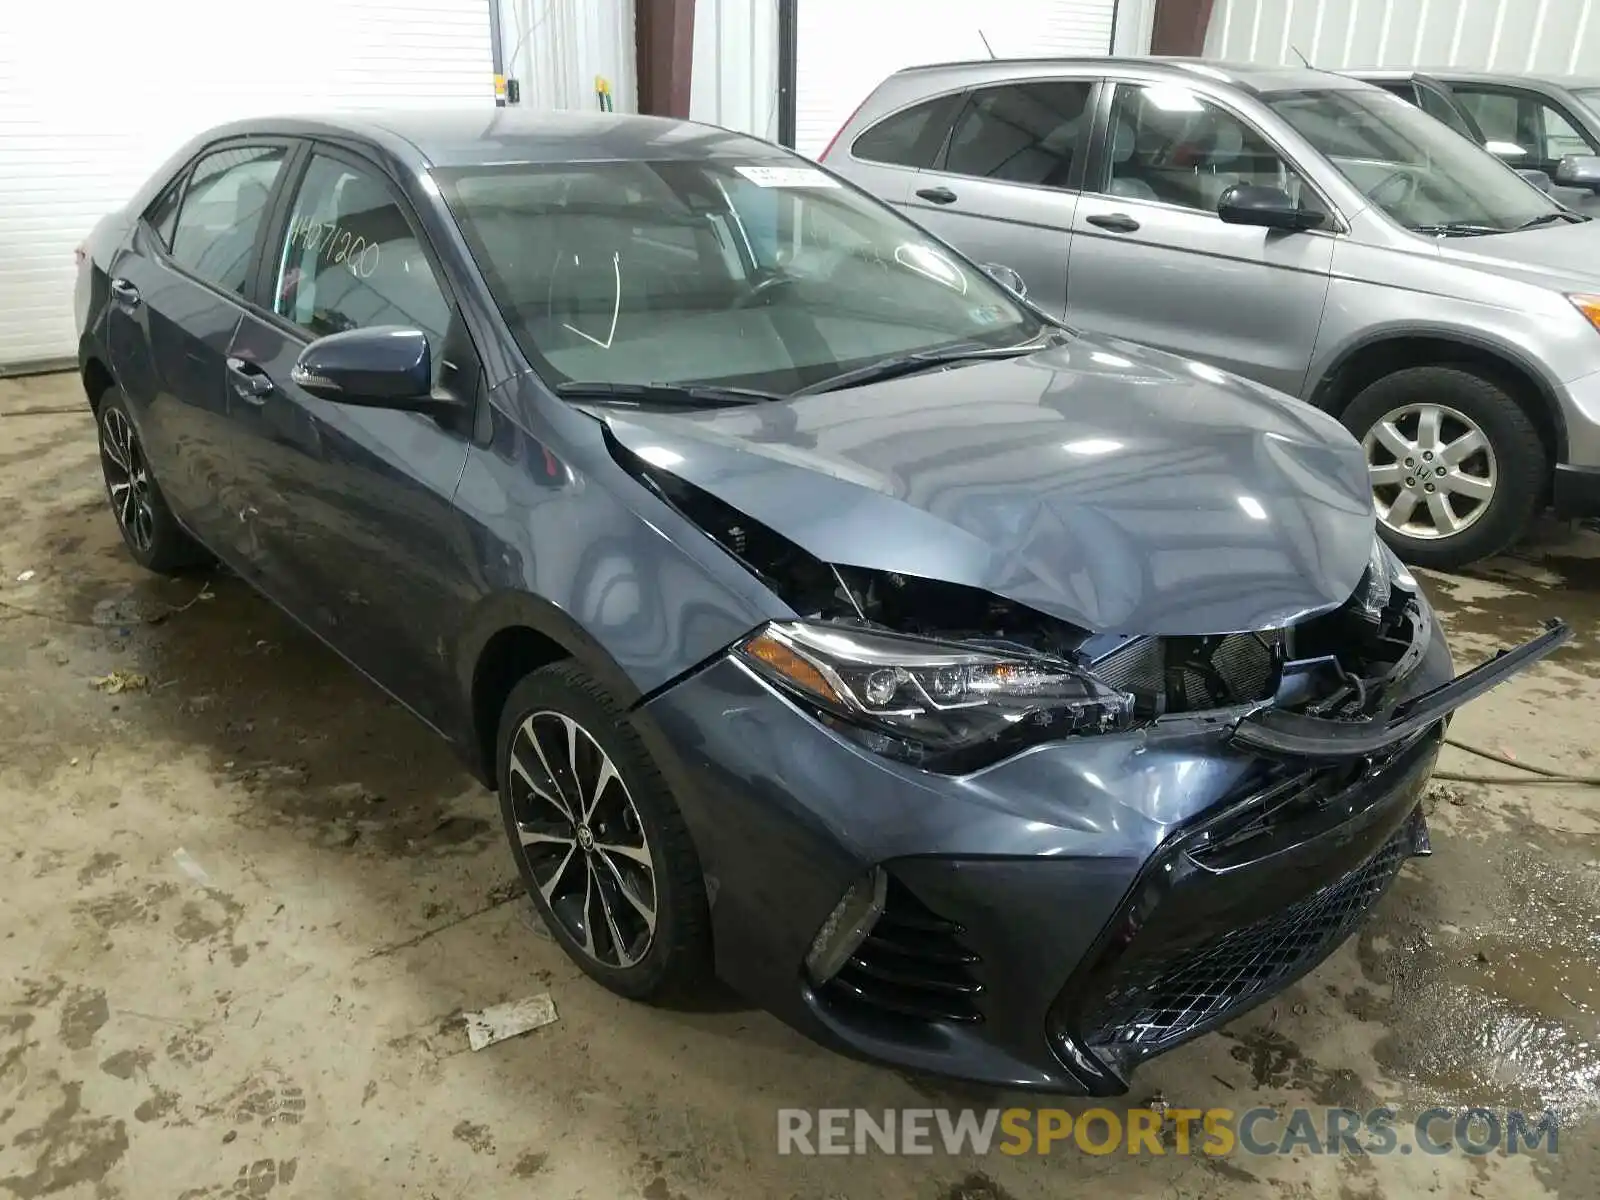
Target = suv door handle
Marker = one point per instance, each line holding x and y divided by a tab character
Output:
937	195
249	380
124	292
1116	222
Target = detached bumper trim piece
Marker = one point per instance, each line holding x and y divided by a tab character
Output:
1286	733
1576	492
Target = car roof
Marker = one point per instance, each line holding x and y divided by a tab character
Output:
479	136
1255	78
1453	73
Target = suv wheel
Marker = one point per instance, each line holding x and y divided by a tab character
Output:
1456	467
150	531
599	841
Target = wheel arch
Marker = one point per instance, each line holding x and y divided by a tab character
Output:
97	380
1382	352
510	635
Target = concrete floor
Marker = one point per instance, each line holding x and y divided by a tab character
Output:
245	905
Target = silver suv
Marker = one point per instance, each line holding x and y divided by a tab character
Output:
1306	230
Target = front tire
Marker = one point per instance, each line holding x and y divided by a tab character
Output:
598	839
149	530
1456	467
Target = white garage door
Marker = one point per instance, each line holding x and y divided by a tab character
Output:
95	94
847	47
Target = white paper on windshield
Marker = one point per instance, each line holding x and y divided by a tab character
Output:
787	177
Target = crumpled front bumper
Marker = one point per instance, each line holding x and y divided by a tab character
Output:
1056	918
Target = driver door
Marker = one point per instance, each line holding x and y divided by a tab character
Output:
348	516
1152	261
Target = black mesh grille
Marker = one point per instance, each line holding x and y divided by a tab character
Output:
1163	998
913	964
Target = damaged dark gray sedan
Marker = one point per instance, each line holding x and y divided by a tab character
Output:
978	697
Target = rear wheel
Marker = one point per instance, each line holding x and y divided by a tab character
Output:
149	530
598	839
1456	467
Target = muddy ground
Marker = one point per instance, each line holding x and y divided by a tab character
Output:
245	904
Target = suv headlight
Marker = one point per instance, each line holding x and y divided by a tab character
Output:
933	703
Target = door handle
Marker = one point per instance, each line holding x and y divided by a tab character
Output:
1116	222
124	292
249	381
937	195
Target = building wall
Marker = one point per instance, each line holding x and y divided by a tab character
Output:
1545	36
556	48
735	80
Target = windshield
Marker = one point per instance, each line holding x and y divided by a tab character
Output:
1589	97
763	274
1422	173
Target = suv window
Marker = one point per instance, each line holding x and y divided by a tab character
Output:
911	137
1440	109
1520	126
350	259
1168	144
223	207
1021	132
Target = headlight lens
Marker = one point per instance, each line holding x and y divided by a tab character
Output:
923	701
1384	573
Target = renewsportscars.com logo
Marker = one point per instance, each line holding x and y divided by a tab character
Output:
1155	1131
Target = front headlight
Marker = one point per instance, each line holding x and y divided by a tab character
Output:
1384	573
930	702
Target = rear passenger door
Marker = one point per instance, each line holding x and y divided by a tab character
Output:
350	522
1005	187
177	296
1153	262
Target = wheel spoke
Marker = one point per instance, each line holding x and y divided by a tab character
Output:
606	775
1429	419
1463	448
560	798
115	441
572	760
1402	508
1386	473
617	944
638	854
144	525
548	888
588	916
647	912
1389	435
1469	486
1444	517
536	837
521	772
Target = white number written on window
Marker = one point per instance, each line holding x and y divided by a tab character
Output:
329	241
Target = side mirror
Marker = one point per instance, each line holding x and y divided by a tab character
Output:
1007	277
1579	171
386	366
1271	207
1538	178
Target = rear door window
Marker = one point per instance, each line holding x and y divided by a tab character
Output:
1022	132
214	235
911	137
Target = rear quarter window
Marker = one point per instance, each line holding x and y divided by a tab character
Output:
911	137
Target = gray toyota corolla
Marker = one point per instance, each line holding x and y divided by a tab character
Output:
977	696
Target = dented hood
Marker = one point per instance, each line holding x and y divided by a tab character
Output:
1110	486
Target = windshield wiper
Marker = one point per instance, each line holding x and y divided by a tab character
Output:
1559	214
1457	229
906	364
664	395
